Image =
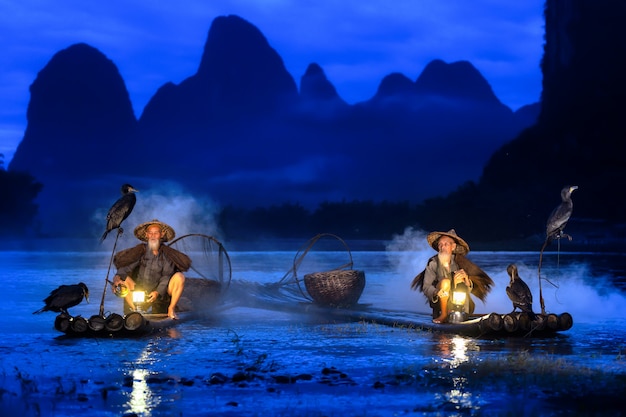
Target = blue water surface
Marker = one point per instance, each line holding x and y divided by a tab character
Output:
290	363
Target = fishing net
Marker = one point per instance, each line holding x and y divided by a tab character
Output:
210	274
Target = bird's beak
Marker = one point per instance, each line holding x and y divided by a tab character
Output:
87	297
572	188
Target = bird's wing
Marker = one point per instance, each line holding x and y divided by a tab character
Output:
68	296
513	295
519	293
559	218
116	208
120	210
54	293
528	295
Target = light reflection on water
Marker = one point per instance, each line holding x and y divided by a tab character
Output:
141	399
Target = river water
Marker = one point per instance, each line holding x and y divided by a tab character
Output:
240	360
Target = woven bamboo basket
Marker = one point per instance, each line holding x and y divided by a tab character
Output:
337	288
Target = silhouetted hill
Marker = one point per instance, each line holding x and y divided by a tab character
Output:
315	86
81	132
459	79
238	131
395	85
243	134
579	138
318	97
79	115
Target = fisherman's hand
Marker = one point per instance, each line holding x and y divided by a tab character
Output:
152	297
116	280
461	276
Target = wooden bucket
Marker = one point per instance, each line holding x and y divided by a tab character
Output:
96	323
510	322
338	288
62	323
79	324
134	321
114	322
565	321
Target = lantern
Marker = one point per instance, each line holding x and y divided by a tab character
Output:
139	297
460	297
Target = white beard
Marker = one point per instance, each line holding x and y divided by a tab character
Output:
444	258
154	244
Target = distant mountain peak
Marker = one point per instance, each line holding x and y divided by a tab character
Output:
237	53
459	79
315	86
78	101
395	84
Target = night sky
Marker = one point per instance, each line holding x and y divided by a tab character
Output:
357	43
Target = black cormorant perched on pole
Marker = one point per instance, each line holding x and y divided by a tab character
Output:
64	297
560	215
519	293
554	228
120	210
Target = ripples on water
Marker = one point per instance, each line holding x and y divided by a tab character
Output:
353	358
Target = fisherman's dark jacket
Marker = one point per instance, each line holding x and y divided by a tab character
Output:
151	272
482	282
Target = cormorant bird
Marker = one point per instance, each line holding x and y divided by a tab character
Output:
64	297
560	215
120	210
519	293
554	228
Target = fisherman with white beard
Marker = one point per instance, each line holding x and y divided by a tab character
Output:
445	270
153	267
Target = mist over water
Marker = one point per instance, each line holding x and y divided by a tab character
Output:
169	203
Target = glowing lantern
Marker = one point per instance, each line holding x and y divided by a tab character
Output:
139	297
459	299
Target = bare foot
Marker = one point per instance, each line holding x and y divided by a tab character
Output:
172	314
441	319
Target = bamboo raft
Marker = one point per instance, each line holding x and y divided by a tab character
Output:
213	274
492	325
134	324
199	295
334	295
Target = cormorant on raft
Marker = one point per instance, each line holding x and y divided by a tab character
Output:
560	215
64	297
120	210
519	293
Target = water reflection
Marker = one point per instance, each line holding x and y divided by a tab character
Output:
459	351
455	351
142	399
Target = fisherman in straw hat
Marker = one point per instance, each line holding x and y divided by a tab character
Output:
449	267
153	267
